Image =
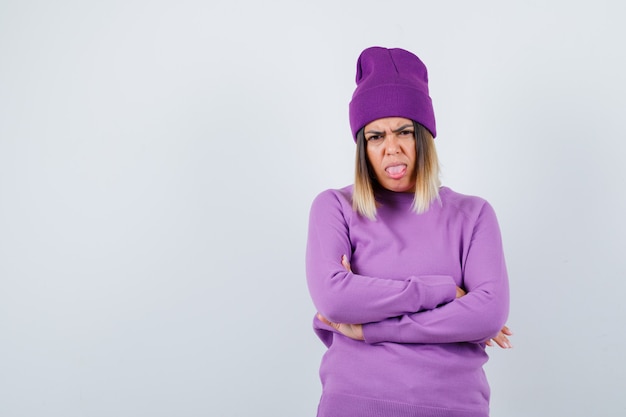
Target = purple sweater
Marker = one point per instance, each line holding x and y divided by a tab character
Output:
424	350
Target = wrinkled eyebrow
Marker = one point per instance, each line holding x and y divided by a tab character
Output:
400	129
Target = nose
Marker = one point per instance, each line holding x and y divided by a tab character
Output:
392	145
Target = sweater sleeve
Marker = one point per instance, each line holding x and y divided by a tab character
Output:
345	297
475	317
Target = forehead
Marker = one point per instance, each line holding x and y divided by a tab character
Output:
388	123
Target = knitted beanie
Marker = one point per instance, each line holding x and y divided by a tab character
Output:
390	83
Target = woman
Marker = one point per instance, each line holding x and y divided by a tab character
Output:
408	277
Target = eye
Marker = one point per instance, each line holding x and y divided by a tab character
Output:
407	132
374	138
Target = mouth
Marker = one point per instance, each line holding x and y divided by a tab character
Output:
396	171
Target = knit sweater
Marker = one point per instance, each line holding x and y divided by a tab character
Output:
424	350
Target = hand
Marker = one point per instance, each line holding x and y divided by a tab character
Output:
346	263
353	331
501	338
460	292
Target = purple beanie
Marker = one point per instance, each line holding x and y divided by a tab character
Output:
390	83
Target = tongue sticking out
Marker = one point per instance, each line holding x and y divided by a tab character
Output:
396	171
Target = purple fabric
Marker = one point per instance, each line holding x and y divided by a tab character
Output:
390	83
424	351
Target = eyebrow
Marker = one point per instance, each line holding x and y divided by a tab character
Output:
400	129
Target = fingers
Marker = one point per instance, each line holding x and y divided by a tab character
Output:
326	321
507	331
502	341
460	292
353	331
323	319
345	263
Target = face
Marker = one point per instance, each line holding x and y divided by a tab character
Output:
390	147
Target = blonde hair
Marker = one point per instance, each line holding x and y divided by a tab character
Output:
427	175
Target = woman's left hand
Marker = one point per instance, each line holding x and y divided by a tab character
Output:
353	331
501	338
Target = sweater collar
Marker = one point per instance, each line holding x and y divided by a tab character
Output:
384	195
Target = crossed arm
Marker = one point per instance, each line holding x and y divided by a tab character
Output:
417	309
355	331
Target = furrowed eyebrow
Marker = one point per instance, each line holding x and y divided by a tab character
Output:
401	128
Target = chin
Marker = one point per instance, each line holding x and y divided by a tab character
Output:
401	188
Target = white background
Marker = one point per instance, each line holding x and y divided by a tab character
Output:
158	160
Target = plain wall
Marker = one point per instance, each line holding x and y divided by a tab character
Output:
158	160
